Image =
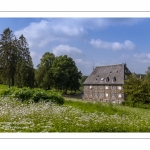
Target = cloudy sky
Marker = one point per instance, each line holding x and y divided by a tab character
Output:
89	41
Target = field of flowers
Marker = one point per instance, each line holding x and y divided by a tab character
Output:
72	116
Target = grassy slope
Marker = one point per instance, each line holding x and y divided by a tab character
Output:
74	116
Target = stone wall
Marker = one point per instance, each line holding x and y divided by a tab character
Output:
103	93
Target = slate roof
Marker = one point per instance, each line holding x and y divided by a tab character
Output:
112	74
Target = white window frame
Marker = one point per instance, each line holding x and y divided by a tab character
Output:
106	94
106	87
119	88
119	95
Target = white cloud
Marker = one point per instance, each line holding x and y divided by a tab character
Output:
142	58
84	66
41	33
112	45
67	50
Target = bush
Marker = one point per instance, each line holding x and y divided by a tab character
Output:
9	91
42	95
23	93
35	94
39	95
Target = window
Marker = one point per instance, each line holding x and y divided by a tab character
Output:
95	87
90	86
113	101
114	79
101	100
102	79
107	79
119	87
119	95
113	95
106	94
107	101
101	94
112	87
90	94
106	87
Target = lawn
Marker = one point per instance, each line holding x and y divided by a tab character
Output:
73	116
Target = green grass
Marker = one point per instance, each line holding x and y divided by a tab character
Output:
3	87
74	116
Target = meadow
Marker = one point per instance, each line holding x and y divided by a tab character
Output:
75	115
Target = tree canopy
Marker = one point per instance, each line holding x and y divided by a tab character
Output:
43	73
65	74
15	60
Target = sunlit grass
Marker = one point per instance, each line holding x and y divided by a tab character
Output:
73	116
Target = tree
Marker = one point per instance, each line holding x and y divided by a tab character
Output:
43	73
65	74
24	68
83	78
147	77
137	90
8	56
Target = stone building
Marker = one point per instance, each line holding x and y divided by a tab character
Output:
105	83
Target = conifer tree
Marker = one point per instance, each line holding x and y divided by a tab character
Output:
8	56
25	71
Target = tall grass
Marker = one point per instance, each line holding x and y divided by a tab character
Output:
73	116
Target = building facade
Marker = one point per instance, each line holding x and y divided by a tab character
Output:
105	83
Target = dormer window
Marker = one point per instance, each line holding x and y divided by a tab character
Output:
114	79
107	79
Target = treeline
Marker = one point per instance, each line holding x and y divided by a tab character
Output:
16	67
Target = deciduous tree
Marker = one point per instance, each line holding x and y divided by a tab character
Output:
65	74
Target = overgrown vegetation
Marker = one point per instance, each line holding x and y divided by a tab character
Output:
73	116
137	92
35	95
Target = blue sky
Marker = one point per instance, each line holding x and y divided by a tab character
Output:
102	41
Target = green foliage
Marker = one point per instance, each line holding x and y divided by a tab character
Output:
83	78
8	56
147	77
41	95
43	73
25	94
65	74
136	91
16	67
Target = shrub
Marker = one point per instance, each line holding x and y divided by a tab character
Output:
40	95
23	93
35	94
